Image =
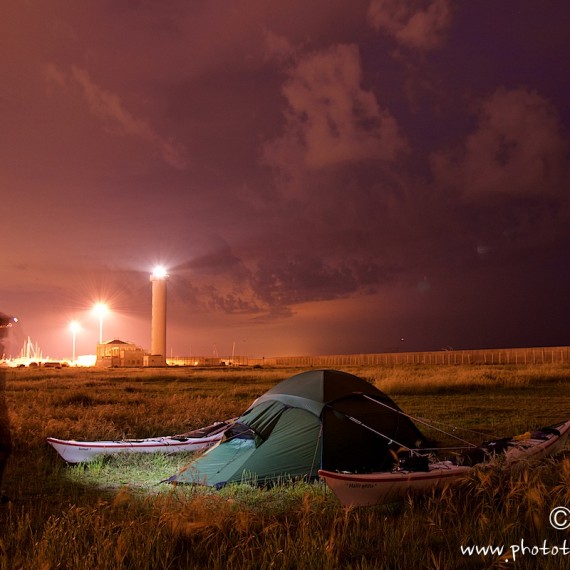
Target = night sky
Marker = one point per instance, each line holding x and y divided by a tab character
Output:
318	177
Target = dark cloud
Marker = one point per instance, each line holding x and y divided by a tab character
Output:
222	282
517	148
283	281
413	24
331	118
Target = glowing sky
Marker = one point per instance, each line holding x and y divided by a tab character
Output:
316	177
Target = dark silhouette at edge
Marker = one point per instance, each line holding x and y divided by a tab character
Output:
5	436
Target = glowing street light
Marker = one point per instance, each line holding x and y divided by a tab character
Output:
100	309
74	328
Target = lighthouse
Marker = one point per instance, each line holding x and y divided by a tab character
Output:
158	279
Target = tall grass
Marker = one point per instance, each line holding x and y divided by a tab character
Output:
421	379
298	528
113	514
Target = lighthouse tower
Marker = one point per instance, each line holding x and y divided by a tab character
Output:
158	333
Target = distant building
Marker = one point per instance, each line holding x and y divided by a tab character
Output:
118	353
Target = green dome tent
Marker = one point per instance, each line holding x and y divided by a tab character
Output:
318	419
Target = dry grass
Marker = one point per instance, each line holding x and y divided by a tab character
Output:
113	516
91	404
422	379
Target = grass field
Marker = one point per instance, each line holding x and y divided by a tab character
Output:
114	514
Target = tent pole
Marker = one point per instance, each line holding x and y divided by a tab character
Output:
420	421
390	439
316	449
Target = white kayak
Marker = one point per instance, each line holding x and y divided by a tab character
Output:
363	489
84	451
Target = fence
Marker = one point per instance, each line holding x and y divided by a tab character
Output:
544	355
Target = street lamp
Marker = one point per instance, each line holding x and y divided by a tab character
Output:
100	309
74	328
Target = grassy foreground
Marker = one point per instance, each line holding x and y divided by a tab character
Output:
113	514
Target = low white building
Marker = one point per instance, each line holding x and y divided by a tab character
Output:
118	353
